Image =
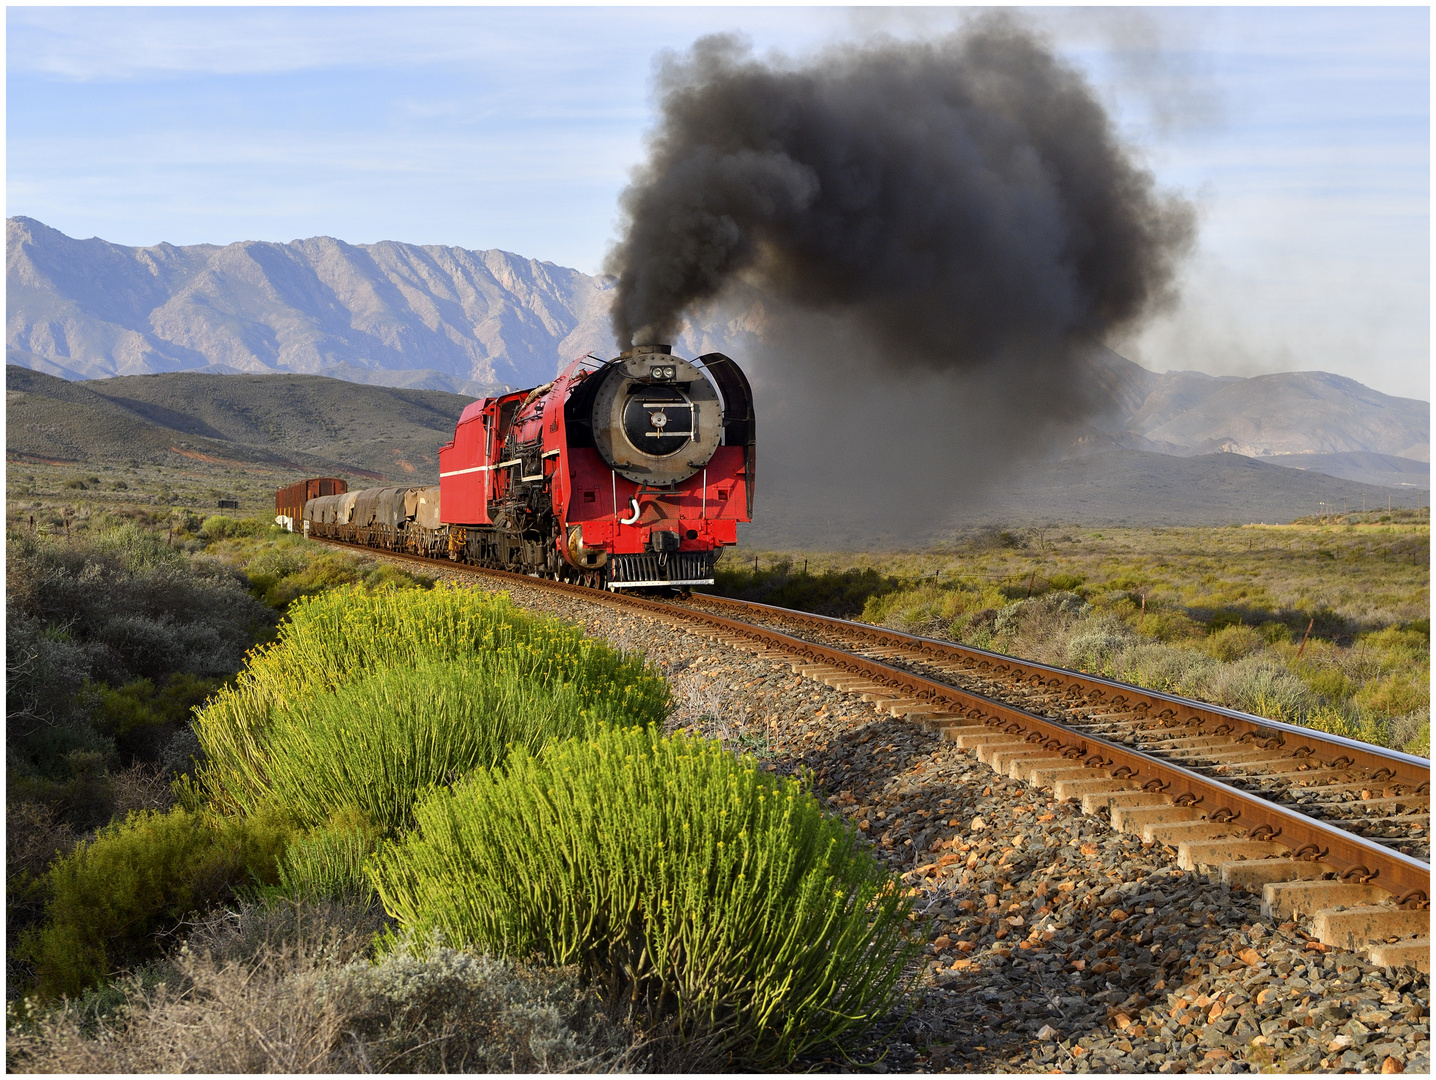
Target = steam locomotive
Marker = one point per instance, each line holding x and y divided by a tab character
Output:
630	473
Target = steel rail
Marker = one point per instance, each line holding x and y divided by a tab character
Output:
1352	856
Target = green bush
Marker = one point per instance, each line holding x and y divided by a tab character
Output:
138	608
1169	626
1366	728
1274	633
1395	694
840	593
366	699
692	888
1256	684
112	896
379	741
1330	683
328	863
142	718
281	581
1232	642
220	526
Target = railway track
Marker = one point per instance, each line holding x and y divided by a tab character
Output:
1330	831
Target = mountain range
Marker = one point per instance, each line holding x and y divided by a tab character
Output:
435	318
428	317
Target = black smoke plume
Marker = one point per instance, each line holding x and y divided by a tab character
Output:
956	197
961	207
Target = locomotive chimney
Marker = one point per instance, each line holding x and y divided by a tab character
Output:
646	350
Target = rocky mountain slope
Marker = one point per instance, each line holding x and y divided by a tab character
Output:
443	318
1296	412
394	314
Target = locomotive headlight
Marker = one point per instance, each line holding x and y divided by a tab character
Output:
666	372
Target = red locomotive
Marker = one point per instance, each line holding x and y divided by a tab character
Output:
625	474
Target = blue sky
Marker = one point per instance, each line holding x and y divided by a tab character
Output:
1303	134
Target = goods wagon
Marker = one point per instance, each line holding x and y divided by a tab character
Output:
289	501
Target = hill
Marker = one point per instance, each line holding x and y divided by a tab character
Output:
280	424
1384	470
271	428
1132	487
1116	487
1273	416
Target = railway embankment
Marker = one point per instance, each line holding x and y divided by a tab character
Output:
1054	941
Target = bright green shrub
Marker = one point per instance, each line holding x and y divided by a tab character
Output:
1399	646
141	717
282	566
930	603
688	885
366	698
328	862
113	895
139	704
1168	626
1274	633
1366	728
1330	683
394	731
333	570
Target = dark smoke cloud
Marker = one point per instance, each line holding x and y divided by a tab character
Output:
925	241
958	200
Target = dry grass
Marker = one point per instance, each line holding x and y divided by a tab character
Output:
141	787
290	988
1366	575
1219	614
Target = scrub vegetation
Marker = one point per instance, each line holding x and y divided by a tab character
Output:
117	628
225	746
1324	622
684	909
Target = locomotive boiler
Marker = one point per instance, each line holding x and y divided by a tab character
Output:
630	473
